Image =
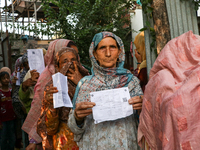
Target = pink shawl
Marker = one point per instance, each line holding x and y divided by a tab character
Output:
30	123
170	117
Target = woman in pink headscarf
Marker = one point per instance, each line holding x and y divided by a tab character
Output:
30	123
171	105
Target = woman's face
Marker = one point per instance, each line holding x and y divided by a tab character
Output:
65	59
107	53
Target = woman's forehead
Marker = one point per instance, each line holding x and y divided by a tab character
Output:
108	40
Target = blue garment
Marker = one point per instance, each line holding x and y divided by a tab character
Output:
8	135
138	2
117	134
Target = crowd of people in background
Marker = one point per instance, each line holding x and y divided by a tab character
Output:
28	117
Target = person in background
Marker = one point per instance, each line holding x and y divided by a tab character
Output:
140	54
17	104
30	123
7	114
66	62
18	67
107	56
26	90
6	69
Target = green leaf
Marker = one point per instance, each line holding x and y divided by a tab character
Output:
143	29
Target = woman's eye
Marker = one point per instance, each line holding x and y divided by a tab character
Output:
103	48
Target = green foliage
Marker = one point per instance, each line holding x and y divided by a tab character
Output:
80	20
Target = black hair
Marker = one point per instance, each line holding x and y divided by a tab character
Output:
71	43
111	37
2	74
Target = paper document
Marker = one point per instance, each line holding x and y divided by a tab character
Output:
36	59
111	104
18	80
61	99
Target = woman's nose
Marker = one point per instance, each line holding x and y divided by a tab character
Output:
108	54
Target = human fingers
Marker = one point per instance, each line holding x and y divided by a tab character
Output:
52	90
75	66
32	71
82	112
85	105
83	115
137	108
138	105
136	99
71	71
69	74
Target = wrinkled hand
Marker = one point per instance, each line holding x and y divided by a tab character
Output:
27	83
31	146
34	75
49	98
74	76
136	102
83	109
138	56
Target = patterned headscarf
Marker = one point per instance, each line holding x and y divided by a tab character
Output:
24	58
63	111
30	123
106	78
18	63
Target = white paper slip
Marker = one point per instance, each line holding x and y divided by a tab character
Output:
36	59
61	99
18	80
111	104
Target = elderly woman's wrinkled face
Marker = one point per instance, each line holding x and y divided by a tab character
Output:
65	59
107	53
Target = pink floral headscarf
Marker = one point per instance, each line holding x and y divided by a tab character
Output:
171	106
30	123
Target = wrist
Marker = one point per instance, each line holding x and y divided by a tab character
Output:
78	120
138	63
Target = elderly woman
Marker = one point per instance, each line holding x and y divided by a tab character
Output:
30	123
66	62
107	56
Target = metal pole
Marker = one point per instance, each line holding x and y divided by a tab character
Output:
23	25
13	19
35	14
28	23
6	14
1	21
18	28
